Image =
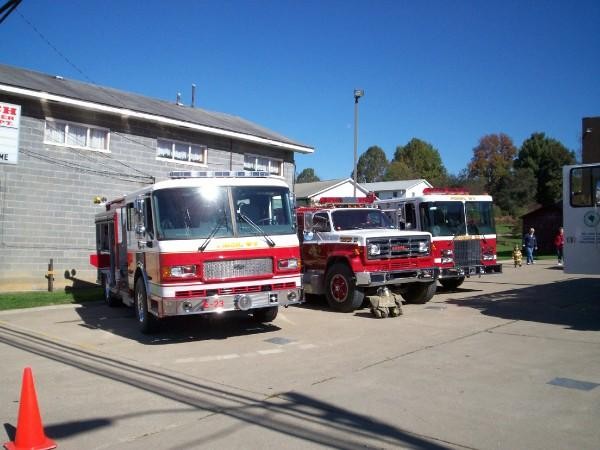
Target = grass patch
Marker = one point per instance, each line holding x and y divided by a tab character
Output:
506	240
16	300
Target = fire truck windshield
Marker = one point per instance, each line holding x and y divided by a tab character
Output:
355	219
455	218
200	213
192	213
268	207
480	218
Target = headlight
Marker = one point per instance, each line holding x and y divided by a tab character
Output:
187	271
447	253
288	264
423	247
374	250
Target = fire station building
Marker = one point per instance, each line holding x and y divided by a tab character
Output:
65	143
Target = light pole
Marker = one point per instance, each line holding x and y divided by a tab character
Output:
358	93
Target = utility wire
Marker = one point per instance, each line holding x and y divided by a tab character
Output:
110	94
8	8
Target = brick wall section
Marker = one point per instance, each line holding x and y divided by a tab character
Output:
46	200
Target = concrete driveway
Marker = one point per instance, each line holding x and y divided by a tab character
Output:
508	361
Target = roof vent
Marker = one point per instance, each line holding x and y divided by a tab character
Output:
58	77
178	102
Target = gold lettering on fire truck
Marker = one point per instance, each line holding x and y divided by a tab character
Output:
241	244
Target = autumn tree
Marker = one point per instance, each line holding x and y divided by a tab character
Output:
417	159
544	157
371	165
492	160
307	176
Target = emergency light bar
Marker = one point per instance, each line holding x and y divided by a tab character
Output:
217	174
369	199
455	191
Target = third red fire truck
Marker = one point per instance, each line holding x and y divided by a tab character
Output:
462	226
352	252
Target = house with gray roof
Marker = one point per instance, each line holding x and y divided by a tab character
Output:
397	189
65	142
310	193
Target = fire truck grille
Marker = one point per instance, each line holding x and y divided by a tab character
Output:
467	252
399	247
237	268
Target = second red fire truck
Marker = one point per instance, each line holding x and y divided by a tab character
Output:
462	226
351	252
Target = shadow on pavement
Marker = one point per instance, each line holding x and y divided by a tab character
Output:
120	320
572	303
290	413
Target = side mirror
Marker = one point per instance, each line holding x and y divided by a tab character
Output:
138	205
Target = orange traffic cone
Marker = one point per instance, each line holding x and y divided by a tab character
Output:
30	431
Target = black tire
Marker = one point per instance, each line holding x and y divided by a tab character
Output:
340	289
419	292
264	315
452	283
147	322
109	298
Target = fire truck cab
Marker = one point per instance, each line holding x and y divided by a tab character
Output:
351	250
200	243
462	226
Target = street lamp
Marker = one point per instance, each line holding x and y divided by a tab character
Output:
358	93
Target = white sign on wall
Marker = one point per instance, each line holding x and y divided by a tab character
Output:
10	118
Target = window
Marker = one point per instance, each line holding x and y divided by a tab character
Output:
585	186
181	152
260	163
71	134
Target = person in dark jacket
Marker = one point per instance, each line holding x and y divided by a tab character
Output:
530	245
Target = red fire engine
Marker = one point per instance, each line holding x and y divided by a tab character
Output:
462	226
350	250
202	242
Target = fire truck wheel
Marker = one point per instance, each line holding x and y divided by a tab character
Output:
147	322
264	315
340	290
109	298
419	292
452	283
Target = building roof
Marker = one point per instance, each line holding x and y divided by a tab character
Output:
24	82
394	185
306	190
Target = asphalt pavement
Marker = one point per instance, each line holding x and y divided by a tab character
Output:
506	361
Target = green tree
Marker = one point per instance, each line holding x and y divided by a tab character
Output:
397	170
515	191
422	161
492	160
544	157
371	165
307	176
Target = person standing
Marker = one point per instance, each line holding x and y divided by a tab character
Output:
530	244
559	243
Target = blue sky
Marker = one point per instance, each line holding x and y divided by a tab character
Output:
447	72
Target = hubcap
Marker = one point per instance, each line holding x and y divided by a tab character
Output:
339	288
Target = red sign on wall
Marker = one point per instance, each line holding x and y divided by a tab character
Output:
10	118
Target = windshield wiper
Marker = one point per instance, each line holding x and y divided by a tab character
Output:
216	228
249	221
